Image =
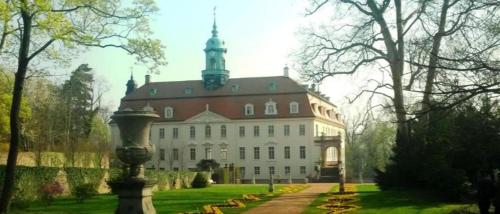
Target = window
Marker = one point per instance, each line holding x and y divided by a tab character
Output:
162	133
242	131
287	152
271	170
256	170
303	170
208	131
162	154
256	153
242	172
223	131
192	153
192	132
175	133
302	129
249	109
175	154
286	130
287	170
169	112
271	152
302	152
188	90
242	153
256	131
223	153
271	108
176	169
208	153
270	131
294	108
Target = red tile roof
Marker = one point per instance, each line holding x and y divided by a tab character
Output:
228	101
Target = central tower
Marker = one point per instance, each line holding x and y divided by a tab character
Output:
215	74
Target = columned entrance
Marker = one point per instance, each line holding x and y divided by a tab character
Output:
331	169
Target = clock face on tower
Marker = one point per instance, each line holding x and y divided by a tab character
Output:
211	53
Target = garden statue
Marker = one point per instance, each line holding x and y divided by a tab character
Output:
133	189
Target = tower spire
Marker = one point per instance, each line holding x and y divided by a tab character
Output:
214	29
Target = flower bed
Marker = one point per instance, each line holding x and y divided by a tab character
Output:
341	202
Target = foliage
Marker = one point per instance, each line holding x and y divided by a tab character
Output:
49	191
84	191
6	85
79	176
447	156
369	151
199	181
207	165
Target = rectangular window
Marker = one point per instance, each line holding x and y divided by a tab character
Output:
192	153
175	133
287	152
256	170
242	153
208	131
175	154
162	154
302	129
192	132
303	170
208	153
256	131
302	152
242	172
286	130
270	131
176	169
162	133
271	170
287	170
223	154
242	131
256	153
271	153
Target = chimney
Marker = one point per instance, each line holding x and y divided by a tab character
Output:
148	79
285	71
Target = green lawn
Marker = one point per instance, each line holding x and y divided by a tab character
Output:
372	200
173	201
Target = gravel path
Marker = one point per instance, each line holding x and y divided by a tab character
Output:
292	203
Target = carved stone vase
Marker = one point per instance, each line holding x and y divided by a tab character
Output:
133	189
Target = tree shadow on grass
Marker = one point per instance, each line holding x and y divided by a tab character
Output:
373	199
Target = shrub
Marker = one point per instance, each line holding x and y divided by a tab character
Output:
50	191
85	191
199	181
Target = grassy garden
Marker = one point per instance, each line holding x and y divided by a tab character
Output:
171	201
371	200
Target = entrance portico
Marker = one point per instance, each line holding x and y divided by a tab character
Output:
325	143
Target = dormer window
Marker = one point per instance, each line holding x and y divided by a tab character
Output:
169	112
294	107
249	109
271	108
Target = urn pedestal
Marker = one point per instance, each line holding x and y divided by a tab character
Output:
133	189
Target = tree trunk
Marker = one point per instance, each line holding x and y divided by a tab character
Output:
20	76
433	60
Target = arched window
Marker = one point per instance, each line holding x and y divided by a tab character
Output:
249	109
294	107
208	131
271	108
169	112
212	63
223	131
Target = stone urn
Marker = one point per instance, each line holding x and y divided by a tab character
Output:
133	189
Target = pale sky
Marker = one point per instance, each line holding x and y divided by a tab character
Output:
260	36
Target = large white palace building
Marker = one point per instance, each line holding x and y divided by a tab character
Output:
264	125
